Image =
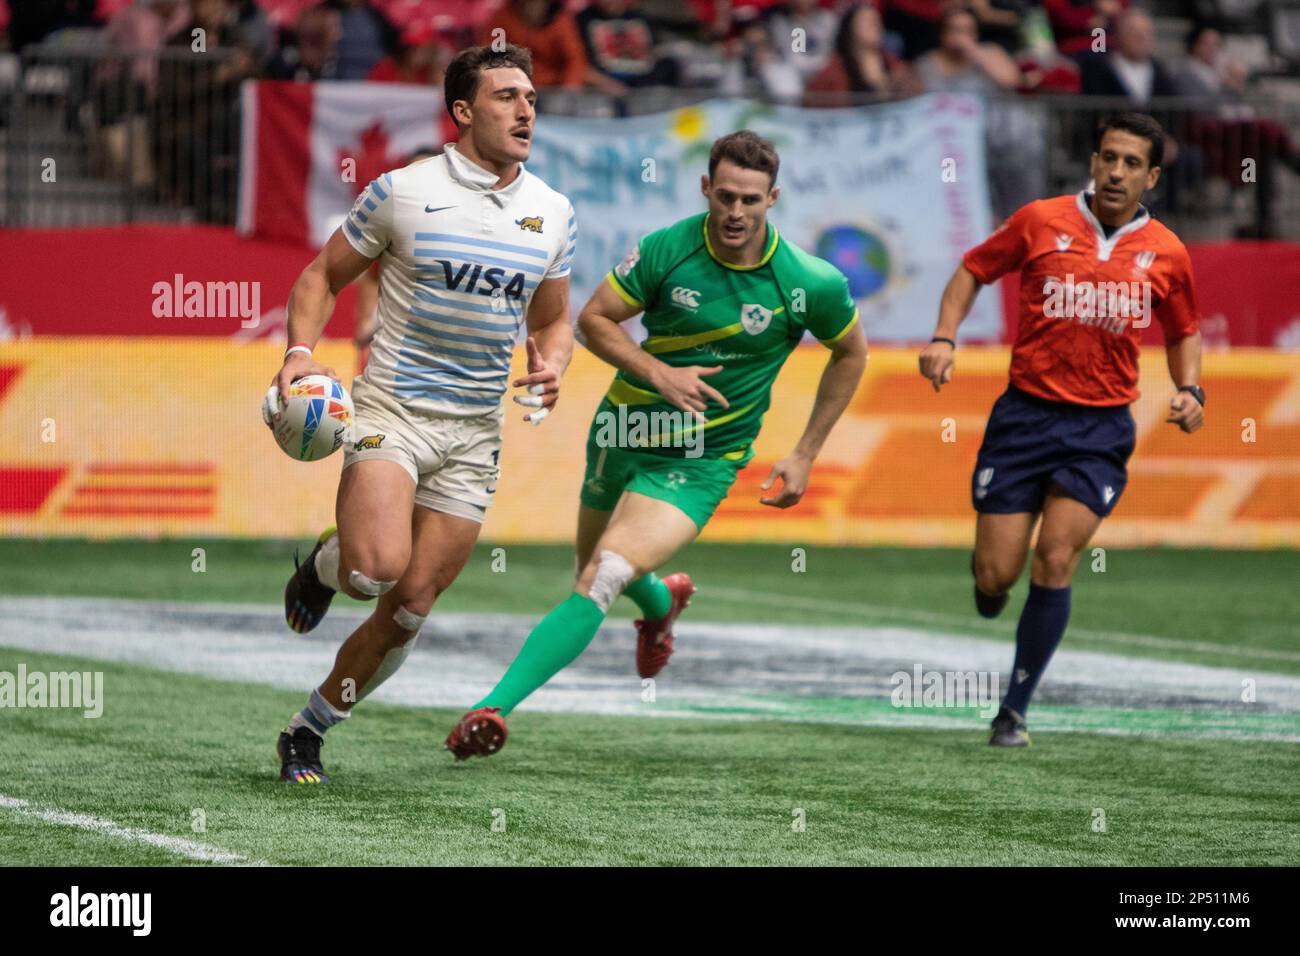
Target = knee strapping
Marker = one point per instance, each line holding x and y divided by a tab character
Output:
369	587
408	620
613	574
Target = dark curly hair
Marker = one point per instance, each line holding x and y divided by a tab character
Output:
465	70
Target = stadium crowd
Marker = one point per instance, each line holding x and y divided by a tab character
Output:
812	51
614	56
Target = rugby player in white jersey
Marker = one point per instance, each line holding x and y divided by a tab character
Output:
471	247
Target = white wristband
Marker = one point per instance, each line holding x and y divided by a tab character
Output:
297	348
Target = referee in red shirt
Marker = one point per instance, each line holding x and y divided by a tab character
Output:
1094	269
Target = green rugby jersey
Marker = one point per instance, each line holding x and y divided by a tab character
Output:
700	310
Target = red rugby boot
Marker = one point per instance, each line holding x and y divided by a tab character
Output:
654	639
480	733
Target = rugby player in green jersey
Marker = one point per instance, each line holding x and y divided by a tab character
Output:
726	300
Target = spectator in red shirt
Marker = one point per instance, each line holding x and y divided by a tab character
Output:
1073	22
725	18
420	58
551	33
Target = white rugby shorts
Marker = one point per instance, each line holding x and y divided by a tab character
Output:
453	461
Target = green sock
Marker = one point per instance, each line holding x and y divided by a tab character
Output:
554	643
651	596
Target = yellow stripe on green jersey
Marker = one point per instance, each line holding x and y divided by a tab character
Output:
623	293
743	321
844	331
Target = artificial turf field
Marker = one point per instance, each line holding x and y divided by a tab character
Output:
875	785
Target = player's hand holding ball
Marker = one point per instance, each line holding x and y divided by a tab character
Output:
308	411
298	363
542	382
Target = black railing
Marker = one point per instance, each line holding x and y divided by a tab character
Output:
1230	170
89	137
101	138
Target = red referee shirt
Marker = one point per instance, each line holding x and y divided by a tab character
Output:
1084	298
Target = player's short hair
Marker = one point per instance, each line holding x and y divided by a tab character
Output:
747	150
465	71
1139	124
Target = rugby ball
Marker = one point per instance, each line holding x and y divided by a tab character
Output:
314	422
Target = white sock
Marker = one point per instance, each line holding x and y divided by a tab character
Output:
394	659
318	716
327	562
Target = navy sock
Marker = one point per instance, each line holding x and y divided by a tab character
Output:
1042	625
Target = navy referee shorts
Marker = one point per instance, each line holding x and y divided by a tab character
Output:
1031	442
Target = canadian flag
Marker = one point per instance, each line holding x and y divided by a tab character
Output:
308	149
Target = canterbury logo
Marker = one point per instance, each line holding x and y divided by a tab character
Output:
687	298
370	441
530	223
1145	259
1063	242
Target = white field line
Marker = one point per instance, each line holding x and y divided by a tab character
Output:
254	646
186	848
745	596
964	623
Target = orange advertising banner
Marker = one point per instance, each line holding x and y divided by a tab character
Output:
150	437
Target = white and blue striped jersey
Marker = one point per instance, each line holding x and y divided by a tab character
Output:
459	265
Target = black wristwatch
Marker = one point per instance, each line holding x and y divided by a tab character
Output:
1198	393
